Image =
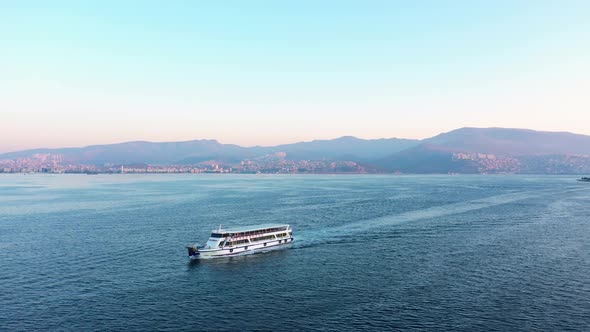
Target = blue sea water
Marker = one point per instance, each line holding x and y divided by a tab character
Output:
462	253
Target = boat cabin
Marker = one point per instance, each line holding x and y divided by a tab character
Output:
243	235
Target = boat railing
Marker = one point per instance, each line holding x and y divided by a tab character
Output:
241	237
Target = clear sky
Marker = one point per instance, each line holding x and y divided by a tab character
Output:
267	72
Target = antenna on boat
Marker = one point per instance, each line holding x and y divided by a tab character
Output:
219	227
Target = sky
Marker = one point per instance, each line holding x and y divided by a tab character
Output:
76	73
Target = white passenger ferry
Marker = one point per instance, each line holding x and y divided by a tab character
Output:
234	241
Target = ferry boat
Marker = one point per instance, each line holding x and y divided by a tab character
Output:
584	179
242	240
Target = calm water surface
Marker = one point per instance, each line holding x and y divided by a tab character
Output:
463	253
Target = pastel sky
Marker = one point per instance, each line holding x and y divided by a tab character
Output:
74	73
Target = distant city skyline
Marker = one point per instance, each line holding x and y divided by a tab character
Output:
268	73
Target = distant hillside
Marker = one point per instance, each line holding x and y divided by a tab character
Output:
465	150
143	152
345	148
188	152
495	150
506	141
426	159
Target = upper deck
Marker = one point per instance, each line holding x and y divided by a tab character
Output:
249	230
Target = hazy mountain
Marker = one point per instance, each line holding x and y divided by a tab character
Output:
465	150
345	148
494	150
425	158
505	141
144	152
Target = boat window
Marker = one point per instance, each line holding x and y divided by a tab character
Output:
236	242
216	235
262	238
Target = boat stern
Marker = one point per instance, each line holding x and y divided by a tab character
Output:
193	251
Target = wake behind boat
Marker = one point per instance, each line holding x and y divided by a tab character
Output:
241	240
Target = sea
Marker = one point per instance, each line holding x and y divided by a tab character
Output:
371	253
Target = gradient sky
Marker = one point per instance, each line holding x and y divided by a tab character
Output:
267	72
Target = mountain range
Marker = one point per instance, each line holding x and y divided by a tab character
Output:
464	150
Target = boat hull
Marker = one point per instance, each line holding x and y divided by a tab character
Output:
251	248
